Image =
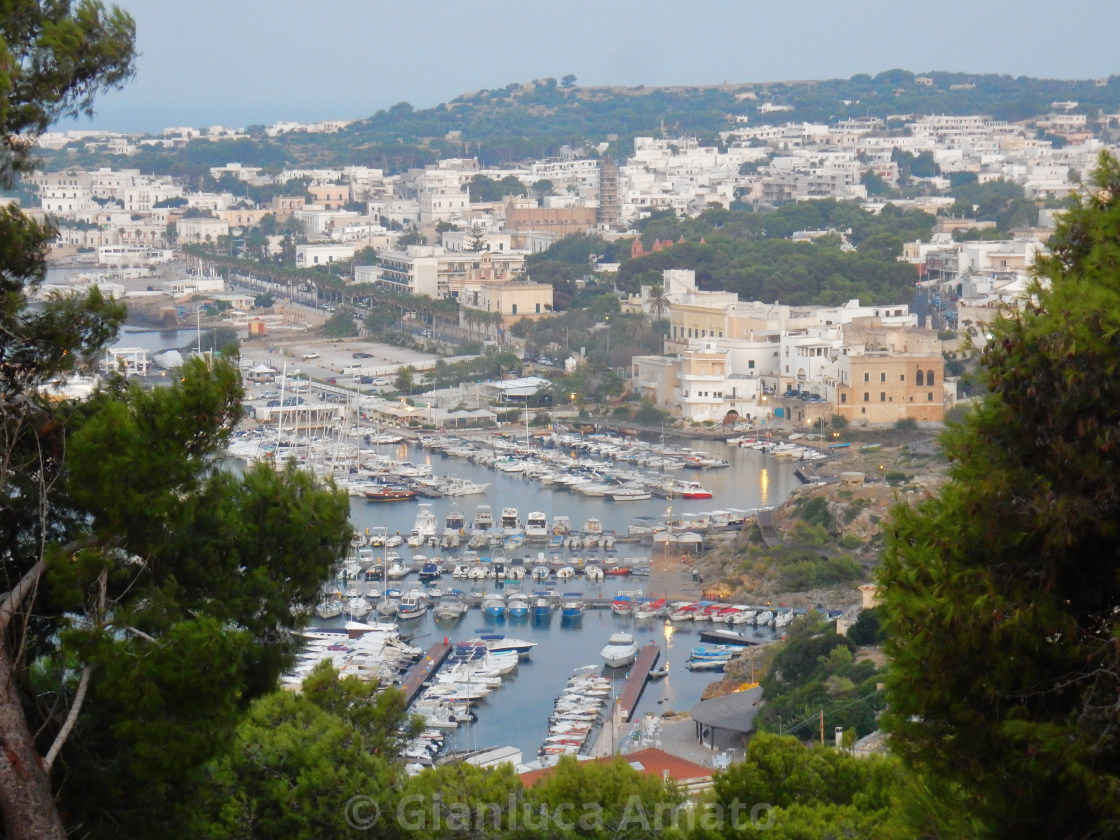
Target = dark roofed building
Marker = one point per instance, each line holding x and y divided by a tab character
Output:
725	722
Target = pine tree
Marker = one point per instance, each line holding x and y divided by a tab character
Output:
1001	594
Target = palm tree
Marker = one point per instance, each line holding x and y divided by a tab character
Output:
658	301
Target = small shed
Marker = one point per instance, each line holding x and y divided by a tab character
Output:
725	722
852	478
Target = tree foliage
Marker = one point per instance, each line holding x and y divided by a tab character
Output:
814	672
312	764
1001	593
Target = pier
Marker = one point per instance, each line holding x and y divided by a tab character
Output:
636	680
423	670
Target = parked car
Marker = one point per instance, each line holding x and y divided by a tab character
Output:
272	403
330	380
364	380
311	355
291	401
361	355
270	395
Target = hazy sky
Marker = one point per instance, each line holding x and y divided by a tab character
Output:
240	62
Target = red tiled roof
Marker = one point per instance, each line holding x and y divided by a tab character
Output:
654	762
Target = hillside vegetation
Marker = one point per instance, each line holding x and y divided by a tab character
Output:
535	119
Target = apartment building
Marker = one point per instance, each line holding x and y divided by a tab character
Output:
514	300
881	388
434	271
311	255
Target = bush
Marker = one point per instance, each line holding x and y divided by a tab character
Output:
867	629
850	541
895	478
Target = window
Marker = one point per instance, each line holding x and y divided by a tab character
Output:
843	398
750	364
513	309
929	397
866	397
866	377
538	309
883	376
929	377
902	377
882	396
920	378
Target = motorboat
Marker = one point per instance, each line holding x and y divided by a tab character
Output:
620	650
561	525
536	527
631	493
494	605
706	664
390	493
500	644
412	605
510	522
649	607
542	604
571	605
517	605
450	608
483	520
425	524
454	523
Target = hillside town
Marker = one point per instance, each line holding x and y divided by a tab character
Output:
721	357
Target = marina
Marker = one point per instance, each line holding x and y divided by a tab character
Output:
561	593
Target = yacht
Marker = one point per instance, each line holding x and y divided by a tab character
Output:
454	523
536	527
620	650
561	525
425	524
454	486
511	522
483	520
593	526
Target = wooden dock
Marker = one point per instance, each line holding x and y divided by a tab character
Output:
637	678
423	670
